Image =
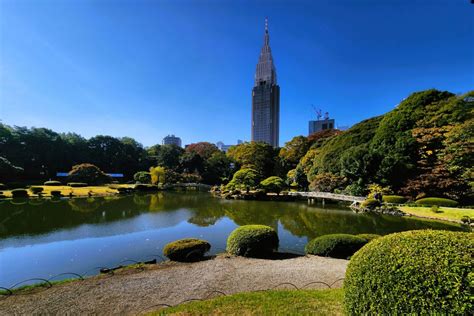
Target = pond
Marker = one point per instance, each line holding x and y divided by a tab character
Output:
41	239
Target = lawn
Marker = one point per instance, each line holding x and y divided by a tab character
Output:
446	213
274	302
66	190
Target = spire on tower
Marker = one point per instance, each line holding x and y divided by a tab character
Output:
266	24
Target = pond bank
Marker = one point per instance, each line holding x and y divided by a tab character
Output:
134	291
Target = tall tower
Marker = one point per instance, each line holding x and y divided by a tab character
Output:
266	97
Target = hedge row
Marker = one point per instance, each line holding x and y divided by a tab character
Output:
434	201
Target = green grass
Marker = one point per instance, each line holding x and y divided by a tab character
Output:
31	287
273	302
446	213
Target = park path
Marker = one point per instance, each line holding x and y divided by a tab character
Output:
133	291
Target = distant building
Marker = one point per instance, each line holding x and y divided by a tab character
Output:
172	140
225	147
266	97
321	125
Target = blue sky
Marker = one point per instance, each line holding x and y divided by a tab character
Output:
146	69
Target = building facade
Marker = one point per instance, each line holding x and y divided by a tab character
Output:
321	125
266	97
225	147
172	140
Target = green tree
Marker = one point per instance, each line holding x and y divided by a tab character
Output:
254	155
245	178
293	151
142	177
273	184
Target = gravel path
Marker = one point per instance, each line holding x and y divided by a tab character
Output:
135	292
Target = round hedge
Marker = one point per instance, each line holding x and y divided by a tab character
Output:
252	241
335	245
188	249
369	237
395	199
77	184
431	201
370	203
415	272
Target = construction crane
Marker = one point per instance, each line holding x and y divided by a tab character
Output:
317	111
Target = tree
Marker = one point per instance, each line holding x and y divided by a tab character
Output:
218	169
191	162
327	182
168	156
273	184
88	173
293	151
244	179
8	170
157	175
254	155
203	149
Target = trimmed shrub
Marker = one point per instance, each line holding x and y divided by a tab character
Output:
422	272
36	190
252	241
395	199
142	177
77	184
369	237
19	193
52	183
370	203
273	184
88	173
430	201
335	245
188	249
55	193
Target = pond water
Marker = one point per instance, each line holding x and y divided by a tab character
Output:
41	239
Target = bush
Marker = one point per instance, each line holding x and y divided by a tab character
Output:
55	193
88	173
395	199
369	237
415	272
335	245
273	184
77	184
188	249
52	183
252	241
430	201
142	177
36	190
370	204
19	193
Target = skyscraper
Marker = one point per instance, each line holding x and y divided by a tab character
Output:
266	97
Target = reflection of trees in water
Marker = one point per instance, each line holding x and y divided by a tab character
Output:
298	218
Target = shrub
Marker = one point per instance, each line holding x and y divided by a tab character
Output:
36	190
466	219
243	179
415	272
273	184
52	183
188	249
77	184
370	203
430	201
369	237
3	186
142	177
335	245
252	241
88	173
55	193
395	199
19	193
157	175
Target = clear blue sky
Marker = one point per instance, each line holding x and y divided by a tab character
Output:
145	69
